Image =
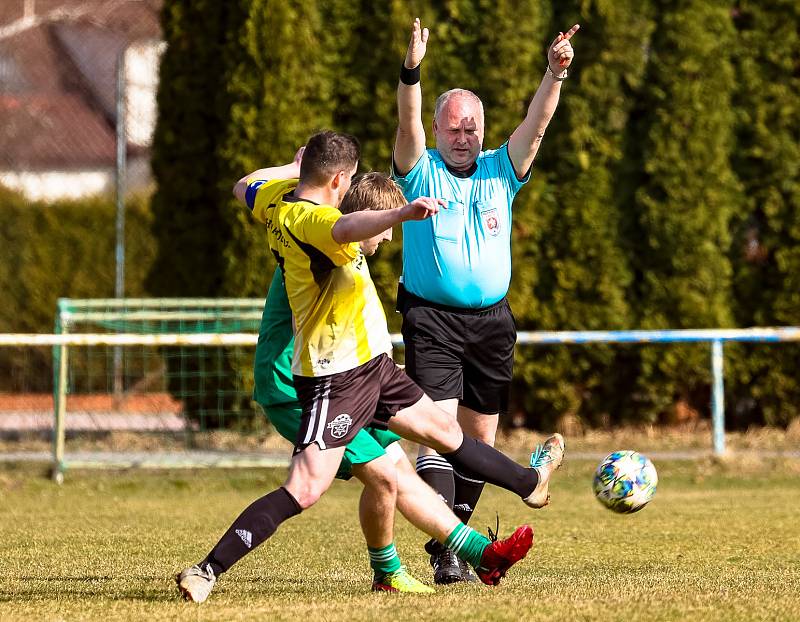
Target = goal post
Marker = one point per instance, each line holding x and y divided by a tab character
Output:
65	344
178	367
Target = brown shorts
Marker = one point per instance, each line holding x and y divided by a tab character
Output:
336	407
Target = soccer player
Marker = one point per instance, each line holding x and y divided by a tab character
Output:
373	456
458	328
342	373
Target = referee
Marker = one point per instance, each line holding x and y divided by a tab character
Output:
457	325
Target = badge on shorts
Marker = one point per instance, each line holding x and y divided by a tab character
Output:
340	425
491	221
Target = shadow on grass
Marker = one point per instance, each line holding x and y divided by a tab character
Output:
162	590
85	578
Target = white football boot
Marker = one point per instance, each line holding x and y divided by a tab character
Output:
195	583
545	459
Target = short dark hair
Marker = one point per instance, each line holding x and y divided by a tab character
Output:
326	154
372	191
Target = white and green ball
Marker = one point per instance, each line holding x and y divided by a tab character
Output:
625	481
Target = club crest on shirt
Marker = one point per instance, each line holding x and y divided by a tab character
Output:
491	222
340	425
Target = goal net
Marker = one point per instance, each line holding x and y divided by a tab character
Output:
145	382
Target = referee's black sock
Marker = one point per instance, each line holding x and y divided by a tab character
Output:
257	523
437	472
467	493
480	461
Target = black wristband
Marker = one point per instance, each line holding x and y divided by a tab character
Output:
409	76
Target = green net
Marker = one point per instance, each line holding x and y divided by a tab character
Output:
197	387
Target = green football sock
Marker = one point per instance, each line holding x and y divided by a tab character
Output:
467	544
384	560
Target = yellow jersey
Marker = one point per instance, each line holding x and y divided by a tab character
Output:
339	319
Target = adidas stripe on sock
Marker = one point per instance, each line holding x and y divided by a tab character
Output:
438	474
467	493
254	525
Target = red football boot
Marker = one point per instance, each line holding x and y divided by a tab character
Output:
500	555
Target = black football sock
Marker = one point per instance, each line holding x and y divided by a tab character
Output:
480	461
257	523
438	474
467	493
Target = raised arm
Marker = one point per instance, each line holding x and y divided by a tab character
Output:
525	141
410	143
286	171
362	225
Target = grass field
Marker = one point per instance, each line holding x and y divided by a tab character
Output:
721	541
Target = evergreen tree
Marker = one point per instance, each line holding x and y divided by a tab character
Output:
583	269
627	220
766	246
280	86
370	41
192	222
191	230
687	196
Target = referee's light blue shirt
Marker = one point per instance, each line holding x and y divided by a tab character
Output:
462	256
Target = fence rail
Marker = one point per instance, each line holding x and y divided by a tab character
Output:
715	337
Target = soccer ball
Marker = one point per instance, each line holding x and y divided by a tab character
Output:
625	481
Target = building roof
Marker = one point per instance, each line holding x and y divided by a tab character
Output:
53	130
58	78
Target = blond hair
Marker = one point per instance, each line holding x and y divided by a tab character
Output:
372	191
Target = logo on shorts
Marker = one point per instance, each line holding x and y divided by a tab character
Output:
340	425
491	221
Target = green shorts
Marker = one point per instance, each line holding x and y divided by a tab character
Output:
367	445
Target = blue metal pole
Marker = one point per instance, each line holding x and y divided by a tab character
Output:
718	397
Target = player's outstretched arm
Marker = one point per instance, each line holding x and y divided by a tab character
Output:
286	171
410	142
525	141
358	226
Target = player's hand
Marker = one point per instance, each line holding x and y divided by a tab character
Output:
417	46
560	53
421	208
298	157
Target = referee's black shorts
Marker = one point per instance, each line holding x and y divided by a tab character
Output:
460	353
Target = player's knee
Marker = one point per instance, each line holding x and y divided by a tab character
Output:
384	484
309	497
307	493
444	432
487	436
379	474
452	432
